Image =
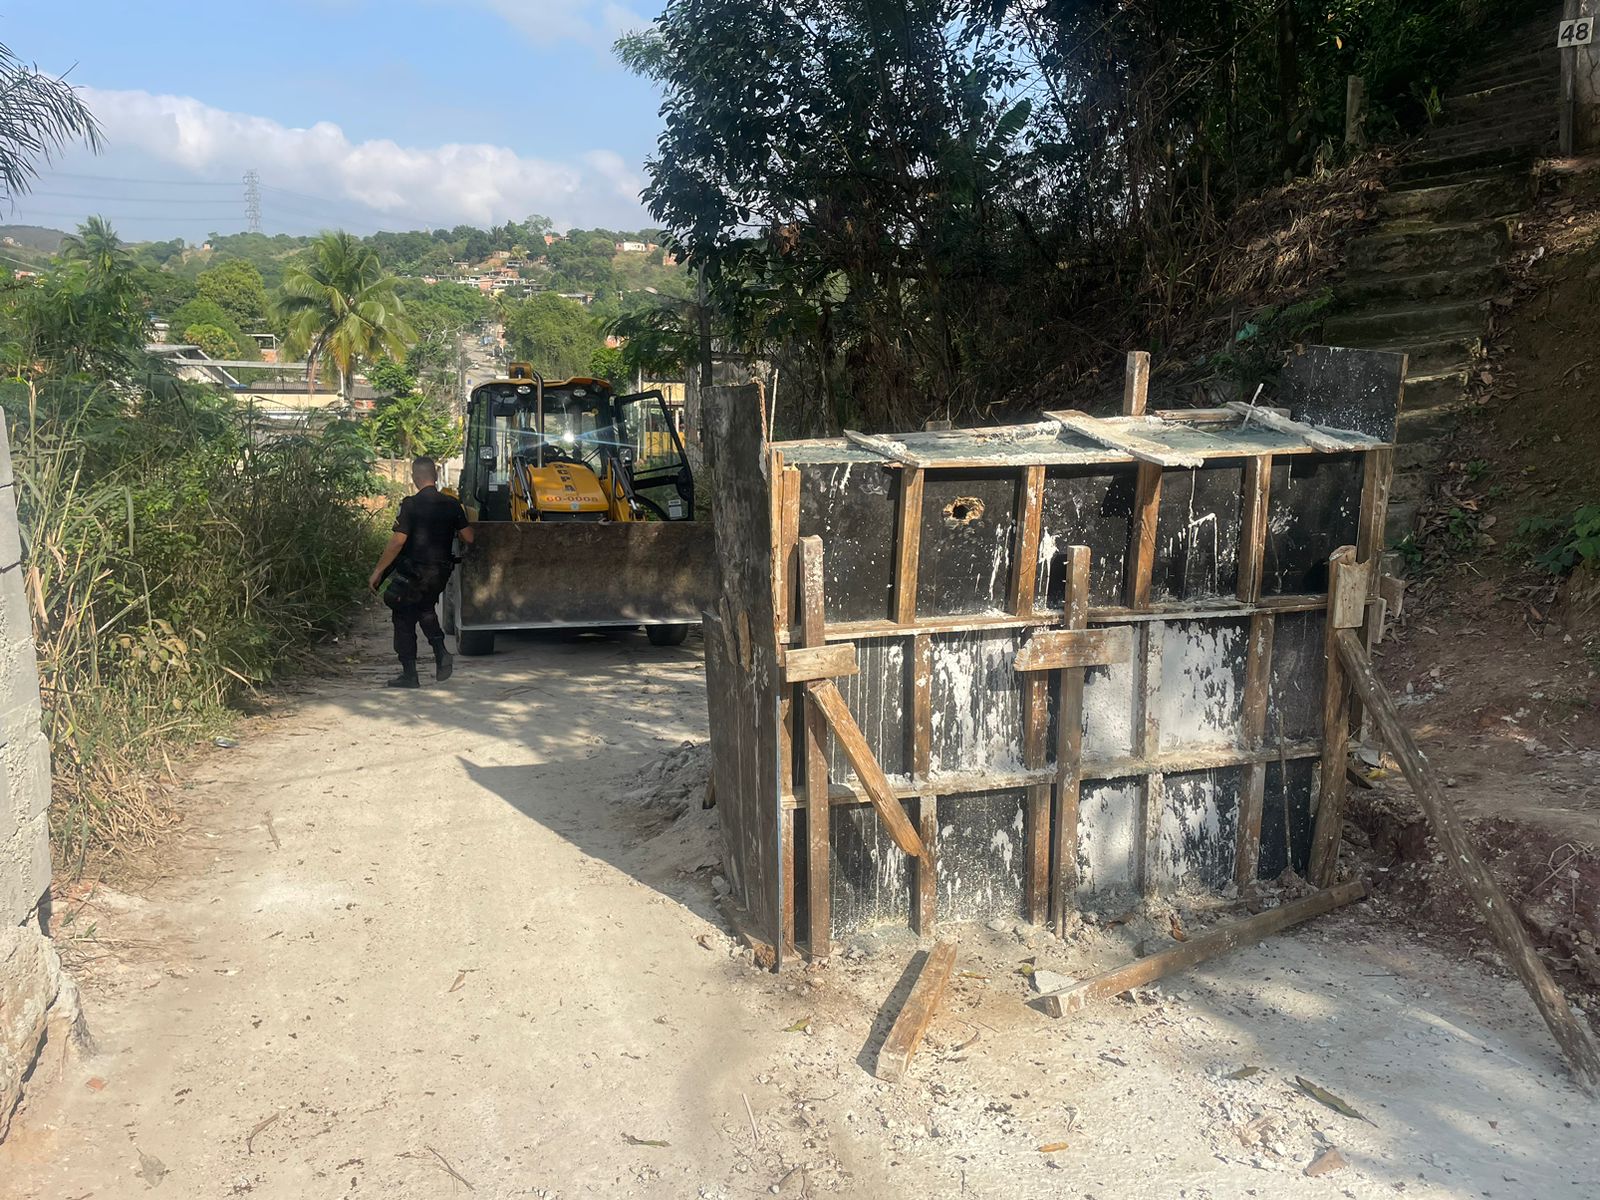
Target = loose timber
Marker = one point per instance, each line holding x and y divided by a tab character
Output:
906	1034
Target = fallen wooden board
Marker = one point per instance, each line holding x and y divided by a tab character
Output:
1196	950
920	1005
1490	902
1123	436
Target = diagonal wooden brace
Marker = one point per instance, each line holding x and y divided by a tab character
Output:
825	695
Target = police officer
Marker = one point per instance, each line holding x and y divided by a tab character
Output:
417	563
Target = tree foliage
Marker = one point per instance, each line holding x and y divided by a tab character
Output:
557	336
40	115
236	287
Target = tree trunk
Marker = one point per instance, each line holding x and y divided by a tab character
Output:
1288	84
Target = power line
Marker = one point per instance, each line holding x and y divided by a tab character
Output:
252	200
125	179
122	199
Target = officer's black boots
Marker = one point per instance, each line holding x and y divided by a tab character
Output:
407	677
444	665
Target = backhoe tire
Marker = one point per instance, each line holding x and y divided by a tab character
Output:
473	642
666	635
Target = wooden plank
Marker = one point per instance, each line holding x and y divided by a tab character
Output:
1135	383
804	663
1056	649
1329	827
1069	746
1147	742
1376	480
908	546
925	870
825	698
892	450
1462	857
819	894
786	906
1119	436
917	1014
1253	531
1326	441
1035	729
1257	686
1197	949
1142	553
1025	552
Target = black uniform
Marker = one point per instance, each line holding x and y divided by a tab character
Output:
429	520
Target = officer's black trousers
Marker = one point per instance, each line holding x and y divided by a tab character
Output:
418	609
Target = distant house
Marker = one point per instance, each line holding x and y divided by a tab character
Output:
633	248
670	259
550	239
584	298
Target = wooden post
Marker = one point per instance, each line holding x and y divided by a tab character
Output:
906	1034
1253	532
1355	112
1069	746
1135	383
908	545
925	870
1257	688
1035	722
819	897
1487	898
1142	552
1025	549
1196	950
1329	826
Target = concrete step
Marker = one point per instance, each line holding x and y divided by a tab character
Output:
1432	422
1538	61
1432	357
1517	171
1532	105
1428	320
1521	129
1434	165
1476	281
1423	455
1403	248
1428	390
1484	196
1519	87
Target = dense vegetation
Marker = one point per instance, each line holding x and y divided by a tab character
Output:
925	206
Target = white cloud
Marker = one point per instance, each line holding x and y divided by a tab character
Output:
474	183
597	23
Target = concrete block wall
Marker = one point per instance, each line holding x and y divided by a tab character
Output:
38	1001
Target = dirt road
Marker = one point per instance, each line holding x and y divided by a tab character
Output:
435	945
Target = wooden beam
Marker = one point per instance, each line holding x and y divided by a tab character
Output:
1035	729
1142	551
1025	550
908	546
924	870
1462	858
1069	746
889	448
819	894
1376	481
1253	532
1057	649
1329	827
1196	950
917	1014
787	889
1135	383
804	663
825	697
1257	689
1123	436
1325	441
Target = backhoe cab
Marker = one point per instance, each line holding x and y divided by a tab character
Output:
584	504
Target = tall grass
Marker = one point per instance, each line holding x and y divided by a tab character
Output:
173	559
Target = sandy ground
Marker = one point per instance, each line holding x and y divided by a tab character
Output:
435	945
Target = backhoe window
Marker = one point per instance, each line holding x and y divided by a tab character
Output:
647	428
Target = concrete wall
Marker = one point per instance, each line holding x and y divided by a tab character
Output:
1580	80
37	1001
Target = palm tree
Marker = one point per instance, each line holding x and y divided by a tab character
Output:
98	247
340	304
39	115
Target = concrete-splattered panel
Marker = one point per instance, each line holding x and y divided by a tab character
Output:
1108	841
1344	389
1313	508
1201	698
977	703
982	852
1084	509
1197	533
879	699
1108	710
1287	806
1197	841
871	877
852	508
968	526
1294	698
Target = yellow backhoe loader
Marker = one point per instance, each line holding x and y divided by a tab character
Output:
583	503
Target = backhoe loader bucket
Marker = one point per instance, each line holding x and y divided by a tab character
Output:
579	574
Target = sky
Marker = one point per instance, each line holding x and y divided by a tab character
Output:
356	114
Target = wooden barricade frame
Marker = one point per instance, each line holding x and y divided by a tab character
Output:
917	636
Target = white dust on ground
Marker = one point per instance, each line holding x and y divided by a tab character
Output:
474	932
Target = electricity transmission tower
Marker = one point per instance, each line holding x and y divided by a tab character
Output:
252	200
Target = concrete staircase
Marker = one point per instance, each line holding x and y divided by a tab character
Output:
1421	280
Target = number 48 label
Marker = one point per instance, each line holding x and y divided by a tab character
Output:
1576	33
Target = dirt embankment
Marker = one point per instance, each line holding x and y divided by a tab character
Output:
1499	660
